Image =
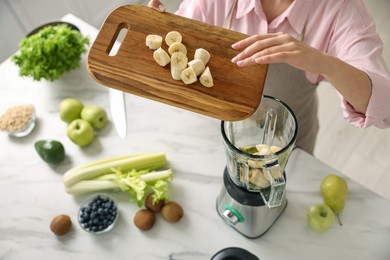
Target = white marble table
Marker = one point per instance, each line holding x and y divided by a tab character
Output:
32	192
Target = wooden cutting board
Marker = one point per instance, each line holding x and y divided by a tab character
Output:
236	92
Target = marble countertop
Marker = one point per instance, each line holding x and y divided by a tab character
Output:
32	192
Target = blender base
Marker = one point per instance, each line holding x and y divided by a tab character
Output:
245	211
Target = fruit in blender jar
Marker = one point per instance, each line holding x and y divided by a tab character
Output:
70	109
172	212
334	190
256	176
144	219
61	225
51	151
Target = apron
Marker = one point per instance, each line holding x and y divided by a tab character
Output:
291	86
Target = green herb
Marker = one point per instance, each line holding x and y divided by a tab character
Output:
50	52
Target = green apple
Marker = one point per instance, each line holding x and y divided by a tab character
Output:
320	217
95	115
334	190
70	109
80	132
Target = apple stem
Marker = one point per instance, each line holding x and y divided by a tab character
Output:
338	218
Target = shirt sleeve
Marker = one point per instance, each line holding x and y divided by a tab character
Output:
356	42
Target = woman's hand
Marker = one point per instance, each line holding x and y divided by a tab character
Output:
354	84
156	4
278	48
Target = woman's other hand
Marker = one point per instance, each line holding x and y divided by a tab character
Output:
156	4
278	48
352	83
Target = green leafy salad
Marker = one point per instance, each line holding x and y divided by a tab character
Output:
51	52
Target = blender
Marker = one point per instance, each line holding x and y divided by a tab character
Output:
257	150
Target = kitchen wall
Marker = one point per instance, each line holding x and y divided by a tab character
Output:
18	17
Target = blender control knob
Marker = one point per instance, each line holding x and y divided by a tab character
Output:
229	215
232	215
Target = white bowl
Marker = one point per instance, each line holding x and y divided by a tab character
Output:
98	214
18	119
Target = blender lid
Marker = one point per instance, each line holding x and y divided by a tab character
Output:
234	253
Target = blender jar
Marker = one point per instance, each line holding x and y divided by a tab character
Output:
257	149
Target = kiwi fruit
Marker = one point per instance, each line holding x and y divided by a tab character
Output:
144	219
172	212
61	225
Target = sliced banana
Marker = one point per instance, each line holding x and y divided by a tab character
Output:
255	164
154	41
202	54
197	65
257	178
172	37
179	62
206	79
188	76
274	149
264	151
177	47
161	57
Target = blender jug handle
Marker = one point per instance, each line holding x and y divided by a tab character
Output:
273	195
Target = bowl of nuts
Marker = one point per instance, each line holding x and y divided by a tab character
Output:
98	214
18	120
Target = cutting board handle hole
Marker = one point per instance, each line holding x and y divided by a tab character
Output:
119	37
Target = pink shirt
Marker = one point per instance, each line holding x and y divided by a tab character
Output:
342	28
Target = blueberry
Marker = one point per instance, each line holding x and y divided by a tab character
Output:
93	215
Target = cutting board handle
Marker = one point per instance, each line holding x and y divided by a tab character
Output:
114	35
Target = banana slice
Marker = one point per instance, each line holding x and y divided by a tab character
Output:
274	149
197	65
206	79
264	150
172	37
178	63
154	41
177	47
188	76
255	164
202	54
161	57
257	178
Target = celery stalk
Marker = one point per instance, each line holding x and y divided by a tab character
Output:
149	161
154	176
91	186
137	183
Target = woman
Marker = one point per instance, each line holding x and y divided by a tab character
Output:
305	42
